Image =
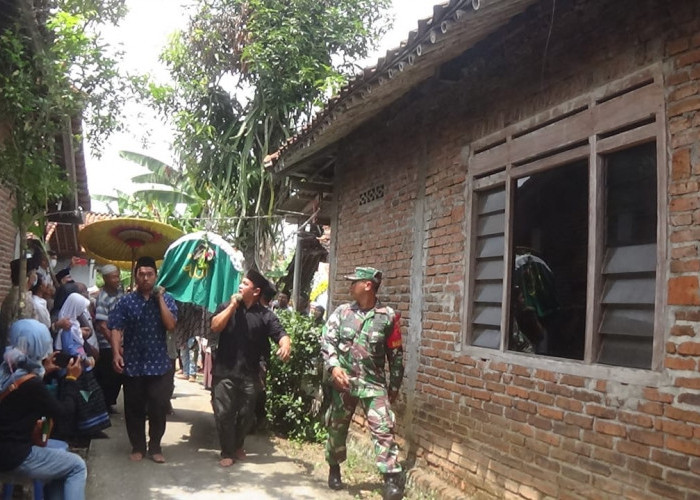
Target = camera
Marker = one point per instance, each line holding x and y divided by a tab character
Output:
61	359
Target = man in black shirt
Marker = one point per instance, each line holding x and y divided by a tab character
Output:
246	327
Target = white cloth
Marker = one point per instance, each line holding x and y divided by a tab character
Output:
73	308
41	311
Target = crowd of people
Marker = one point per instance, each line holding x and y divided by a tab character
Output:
67	356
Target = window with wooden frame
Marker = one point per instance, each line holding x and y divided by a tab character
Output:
566	216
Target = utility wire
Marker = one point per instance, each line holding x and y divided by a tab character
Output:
546	45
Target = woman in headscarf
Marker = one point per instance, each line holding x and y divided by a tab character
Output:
92	416
24	400
317	313
71	340
59	298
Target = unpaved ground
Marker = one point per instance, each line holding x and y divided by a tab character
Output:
275	469
190	446
359	472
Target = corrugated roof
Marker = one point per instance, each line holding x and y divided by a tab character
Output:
454	27
63	238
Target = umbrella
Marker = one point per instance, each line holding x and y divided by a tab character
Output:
536	281
527	258
201	268
125	265
123	240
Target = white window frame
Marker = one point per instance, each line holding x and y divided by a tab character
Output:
618	116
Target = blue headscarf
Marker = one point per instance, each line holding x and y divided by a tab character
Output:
30	343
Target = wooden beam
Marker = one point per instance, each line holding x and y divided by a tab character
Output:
316	187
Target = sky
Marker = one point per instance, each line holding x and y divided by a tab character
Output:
142	35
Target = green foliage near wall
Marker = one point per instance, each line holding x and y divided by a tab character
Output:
54	67
294	388
124	278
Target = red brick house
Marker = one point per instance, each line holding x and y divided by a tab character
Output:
7	242
526	174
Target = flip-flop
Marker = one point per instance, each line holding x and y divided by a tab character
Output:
226	462
136	457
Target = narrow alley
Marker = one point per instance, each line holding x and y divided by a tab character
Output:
191	470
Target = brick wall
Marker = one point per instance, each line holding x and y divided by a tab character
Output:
492	425
7	242
8	232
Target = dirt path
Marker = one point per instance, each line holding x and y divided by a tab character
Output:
190	446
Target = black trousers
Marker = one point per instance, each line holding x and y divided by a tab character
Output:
261	403
233	400
146	396
109	380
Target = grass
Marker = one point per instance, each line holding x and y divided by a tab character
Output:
359	471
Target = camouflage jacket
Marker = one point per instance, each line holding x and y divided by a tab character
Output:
360	343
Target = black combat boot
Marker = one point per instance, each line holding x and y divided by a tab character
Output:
334	481
392	486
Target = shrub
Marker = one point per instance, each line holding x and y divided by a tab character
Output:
294	388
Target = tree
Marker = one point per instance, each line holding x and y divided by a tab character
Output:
53	67
166	195
247	73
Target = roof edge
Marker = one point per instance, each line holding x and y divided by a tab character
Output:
430	31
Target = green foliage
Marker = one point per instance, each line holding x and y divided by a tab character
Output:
124	278
32	96
293	388
52	69
93	82
292	45
96	11
246	74
167	196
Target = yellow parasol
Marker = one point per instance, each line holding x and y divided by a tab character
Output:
124	265
122	241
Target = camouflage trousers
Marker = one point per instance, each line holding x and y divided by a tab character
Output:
380	420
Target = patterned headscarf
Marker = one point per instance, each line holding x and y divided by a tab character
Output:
30	343
74	307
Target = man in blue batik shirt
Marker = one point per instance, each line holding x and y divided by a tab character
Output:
141	319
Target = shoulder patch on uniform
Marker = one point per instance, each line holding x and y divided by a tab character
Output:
393	341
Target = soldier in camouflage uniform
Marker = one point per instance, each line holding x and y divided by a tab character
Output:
357	341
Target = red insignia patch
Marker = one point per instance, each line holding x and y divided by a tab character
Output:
394	340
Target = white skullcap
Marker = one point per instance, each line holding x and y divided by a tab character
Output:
108	268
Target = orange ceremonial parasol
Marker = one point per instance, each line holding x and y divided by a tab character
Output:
122	241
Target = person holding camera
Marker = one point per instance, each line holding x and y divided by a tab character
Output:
92	417
24	399
141	319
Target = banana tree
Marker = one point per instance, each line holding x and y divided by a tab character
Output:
167	195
